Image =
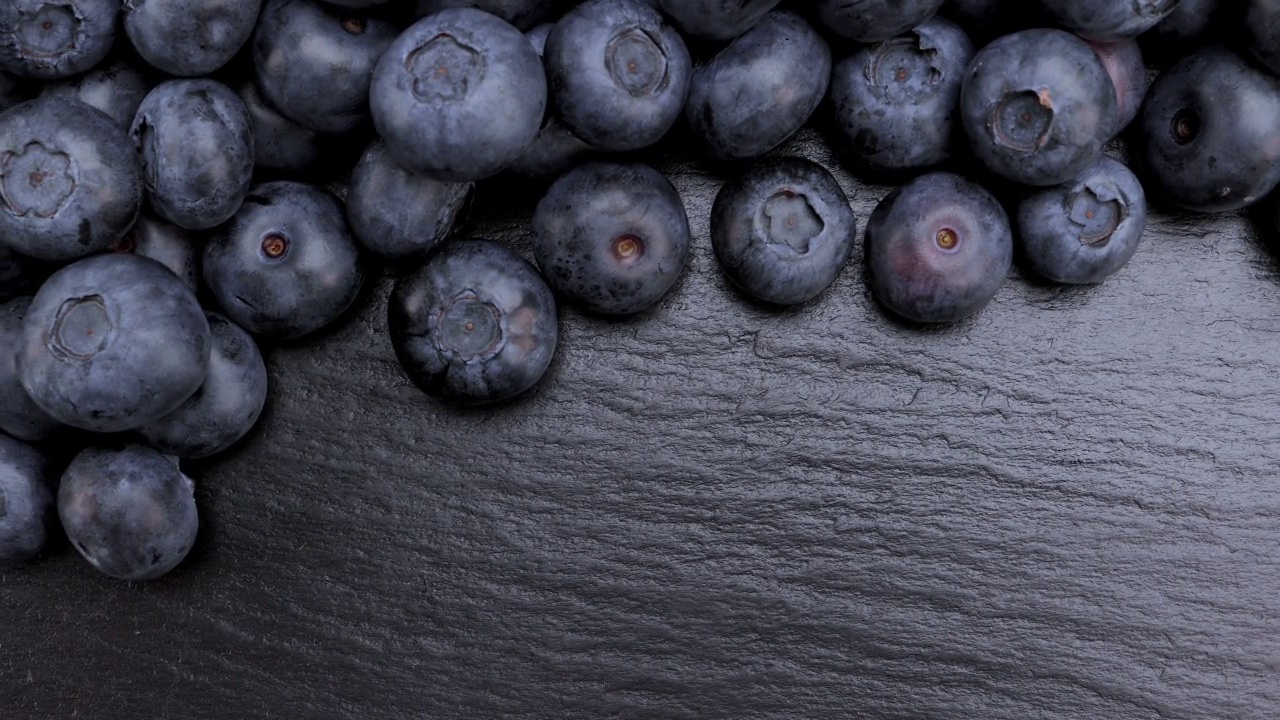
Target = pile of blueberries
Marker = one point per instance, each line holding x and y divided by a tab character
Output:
167	198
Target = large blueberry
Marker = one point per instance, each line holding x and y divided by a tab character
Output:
475	324
459	96
113	342
167	244
523	14
761	89
70	183
196	141
286	265
26	500
1037	106
279	143
227	405
895	103
188	38
717	19
612	238
396	214
1211	132
783	230
313	62
938	249
130	512
51	40
619	74
869	21
20	416
116	88
1087	229
1108	20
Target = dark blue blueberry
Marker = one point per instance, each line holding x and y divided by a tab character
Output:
1128	72
169	245
113	342
459	96
1038	106
1209	132
717	19
619	74
1193	23
130	512
227	405
196	141
556	149
26	501
313	62
1108	20
612	238
19	414
51	40
116	88
783	230
1087	229
895	103
70	183
761	89
396	214
475	324
279	143
871	21
286	265
938	249
188	38
523	14
1262	19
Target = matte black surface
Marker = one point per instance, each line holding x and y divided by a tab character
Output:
1067	507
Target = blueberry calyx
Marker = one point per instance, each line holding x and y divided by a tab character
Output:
788	220
444	68
1098	210
1185	127
1023	121
81	328
470	328
636	62
275	246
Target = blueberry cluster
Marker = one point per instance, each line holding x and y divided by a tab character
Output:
166	201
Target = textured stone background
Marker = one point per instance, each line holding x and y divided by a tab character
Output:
1064	508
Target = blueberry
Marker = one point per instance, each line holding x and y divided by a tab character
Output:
52	40
619	74
1087	229
783	230
476	324
761	89
938	249
167	244
396	214
894	103
116	88
286	265
459	96
1108	20
987	19
612	238
1128	72
521	13
19	414
113	342
227	405
130	512
1193	22
1262	19
1038	106
278	142
313	62
871	21
188	38
717	19
196	142
70	183
1209	131
26	501
556	148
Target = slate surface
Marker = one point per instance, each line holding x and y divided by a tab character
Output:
1065	508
